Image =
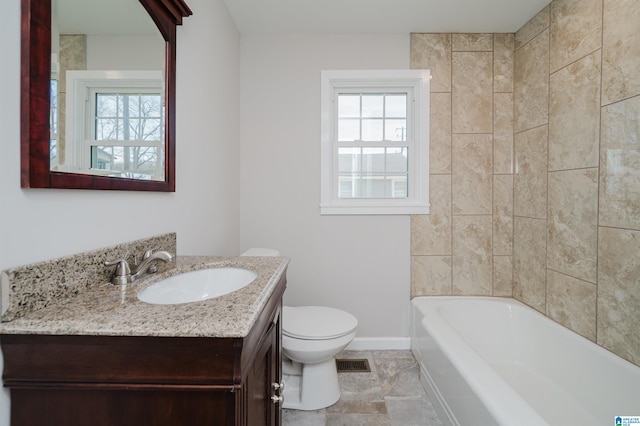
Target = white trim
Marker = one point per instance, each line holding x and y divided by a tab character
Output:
416	83
55	67
379	344
377	209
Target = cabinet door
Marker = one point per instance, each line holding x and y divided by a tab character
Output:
262	407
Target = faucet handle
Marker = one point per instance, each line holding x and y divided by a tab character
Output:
149	252
153	268
123	271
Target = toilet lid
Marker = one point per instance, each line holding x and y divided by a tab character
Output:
316	322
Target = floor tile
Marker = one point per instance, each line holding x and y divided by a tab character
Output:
390	395
412	411
358	420
303	418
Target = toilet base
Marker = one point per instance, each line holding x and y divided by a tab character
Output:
314	388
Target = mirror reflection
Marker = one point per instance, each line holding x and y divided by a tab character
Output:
107	92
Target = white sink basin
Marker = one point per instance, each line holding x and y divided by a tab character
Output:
195	286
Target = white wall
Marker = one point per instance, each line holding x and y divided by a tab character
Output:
360	263
130	52
357	263
36	225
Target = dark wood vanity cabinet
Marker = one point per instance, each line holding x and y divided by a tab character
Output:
131	380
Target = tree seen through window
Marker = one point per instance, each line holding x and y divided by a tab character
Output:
134	120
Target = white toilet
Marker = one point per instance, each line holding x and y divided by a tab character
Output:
311	337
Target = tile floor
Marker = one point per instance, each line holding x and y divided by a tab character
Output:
391	395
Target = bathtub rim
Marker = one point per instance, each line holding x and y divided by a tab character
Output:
512	301
484	379
426	304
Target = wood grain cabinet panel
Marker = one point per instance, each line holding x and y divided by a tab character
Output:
136	380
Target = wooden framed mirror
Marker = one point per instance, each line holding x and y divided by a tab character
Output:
38	119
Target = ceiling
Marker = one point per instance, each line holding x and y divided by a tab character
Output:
271	17
100	17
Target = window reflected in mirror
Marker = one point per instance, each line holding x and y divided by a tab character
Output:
107	113
128	136
53	120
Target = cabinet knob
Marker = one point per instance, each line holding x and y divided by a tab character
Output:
278	386
277	399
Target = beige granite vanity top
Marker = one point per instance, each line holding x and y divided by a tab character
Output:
114	310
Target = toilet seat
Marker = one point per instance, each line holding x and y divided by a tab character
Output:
316	322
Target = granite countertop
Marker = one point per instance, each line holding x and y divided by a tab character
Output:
114	310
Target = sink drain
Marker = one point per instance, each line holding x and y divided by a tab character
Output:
353	365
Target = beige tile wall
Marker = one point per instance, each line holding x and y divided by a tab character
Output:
464	247
72	56
536	182
586	275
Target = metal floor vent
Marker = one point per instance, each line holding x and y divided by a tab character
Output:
353	365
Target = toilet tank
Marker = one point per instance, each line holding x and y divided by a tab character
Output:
256	251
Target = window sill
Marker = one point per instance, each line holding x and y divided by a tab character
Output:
374	209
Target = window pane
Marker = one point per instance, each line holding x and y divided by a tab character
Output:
399	188
132	105
373	161
395	130
396	161
372	172
106	105
348	105
130	161
133	131
150	106
346	189
372	130
396	106
53	152
348	129
349	160
372	105
107	129
53	119
151	129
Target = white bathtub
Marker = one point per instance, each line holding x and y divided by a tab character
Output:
487	361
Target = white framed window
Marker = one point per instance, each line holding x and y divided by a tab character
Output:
375	142
115	121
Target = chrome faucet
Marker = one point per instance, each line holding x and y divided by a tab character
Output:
149	263
128	274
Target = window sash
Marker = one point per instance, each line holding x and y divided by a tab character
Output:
360	110
122	121
373	172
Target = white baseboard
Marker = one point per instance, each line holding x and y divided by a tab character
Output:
379	343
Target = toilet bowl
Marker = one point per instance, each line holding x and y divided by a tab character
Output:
311	337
